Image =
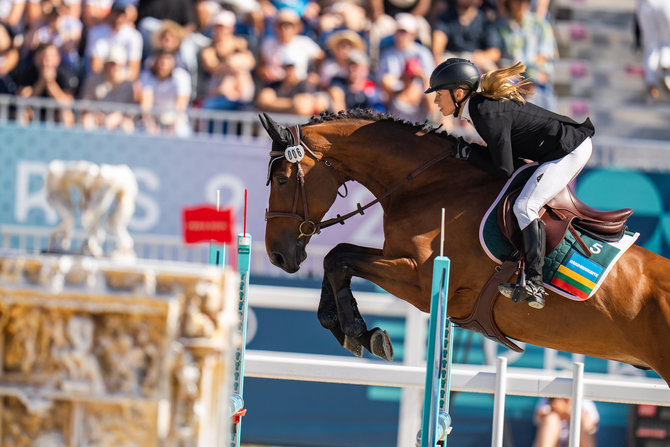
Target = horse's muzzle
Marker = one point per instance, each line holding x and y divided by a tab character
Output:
289	262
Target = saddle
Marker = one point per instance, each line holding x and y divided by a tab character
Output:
563	213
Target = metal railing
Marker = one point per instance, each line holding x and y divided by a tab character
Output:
200	122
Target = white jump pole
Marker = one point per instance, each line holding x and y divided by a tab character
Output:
576	405
436	420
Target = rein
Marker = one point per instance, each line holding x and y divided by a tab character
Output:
315	228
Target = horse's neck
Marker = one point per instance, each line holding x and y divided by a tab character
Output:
380	155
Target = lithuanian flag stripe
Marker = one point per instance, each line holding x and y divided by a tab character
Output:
568	288
576	276
574	283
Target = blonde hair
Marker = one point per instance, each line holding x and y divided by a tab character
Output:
506	83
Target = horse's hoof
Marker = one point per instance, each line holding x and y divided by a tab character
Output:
380	344
354	329
353	345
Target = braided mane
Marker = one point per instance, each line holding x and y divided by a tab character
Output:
367	114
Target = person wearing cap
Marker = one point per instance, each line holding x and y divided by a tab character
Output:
291	94
287	37
111	85
514	130
227	64
392	60
356	90
118	29
339	45
165	93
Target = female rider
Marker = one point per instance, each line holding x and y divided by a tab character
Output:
514	130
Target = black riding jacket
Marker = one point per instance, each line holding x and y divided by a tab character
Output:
515	131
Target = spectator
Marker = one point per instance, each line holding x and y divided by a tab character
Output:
118	30
654	19
60	28
179	11
9	59
552	417
47	78
288	40
11	13
417	8
465	31
95	12
410	102
340	44
165	90
393	60
531	41
292	94
112	86
228	65
355	89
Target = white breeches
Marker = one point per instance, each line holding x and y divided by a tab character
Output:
547	181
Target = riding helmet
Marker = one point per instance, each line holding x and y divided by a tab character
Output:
453	73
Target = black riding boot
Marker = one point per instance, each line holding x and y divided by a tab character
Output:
534	246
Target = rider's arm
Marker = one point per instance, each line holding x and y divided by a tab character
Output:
497	157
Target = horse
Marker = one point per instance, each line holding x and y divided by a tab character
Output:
406	167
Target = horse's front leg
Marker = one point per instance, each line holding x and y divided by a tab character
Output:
396	275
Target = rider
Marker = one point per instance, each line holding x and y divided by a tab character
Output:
514	130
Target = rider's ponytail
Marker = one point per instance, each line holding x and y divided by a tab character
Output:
506	83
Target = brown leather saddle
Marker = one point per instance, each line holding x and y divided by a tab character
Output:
563	213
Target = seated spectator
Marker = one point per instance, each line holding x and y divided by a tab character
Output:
291	94
95	12
48	78
227	64
118	30
60	28
355	90
111	86
530	40
410	102
465	31
419	9
288	39
306	10
11	13
552	417
9	59
340	44
165	92
392	61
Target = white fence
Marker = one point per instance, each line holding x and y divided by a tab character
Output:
410	375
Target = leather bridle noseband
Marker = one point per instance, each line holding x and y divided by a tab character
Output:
294	154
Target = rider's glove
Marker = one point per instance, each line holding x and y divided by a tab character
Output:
461	149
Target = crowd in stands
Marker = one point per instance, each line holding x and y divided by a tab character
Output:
292	56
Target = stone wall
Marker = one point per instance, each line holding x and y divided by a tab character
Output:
97	353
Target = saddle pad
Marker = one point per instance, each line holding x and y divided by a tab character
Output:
567	270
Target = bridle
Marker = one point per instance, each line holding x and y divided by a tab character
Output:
294	154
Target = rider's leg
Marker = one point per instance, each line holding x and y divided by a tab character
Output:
548	180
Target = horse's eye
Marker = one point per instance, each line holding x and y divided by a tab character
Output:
282	180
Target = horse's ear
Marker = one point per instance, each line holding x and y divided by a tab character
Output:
278	133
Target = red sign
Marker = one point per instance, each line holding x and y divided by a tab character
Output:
206	224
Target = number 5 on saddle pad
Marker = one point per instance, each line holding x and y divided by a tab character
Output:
568	269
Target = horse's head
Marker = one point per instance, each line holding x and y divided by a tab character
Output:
303	186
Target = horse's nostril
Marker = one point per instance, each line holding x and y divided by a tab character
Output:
277	259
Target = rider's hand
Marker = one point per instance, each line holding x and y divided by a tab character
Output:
461	149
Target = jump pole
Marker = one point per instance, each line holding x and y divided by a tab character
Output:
436	422
243	265
217	256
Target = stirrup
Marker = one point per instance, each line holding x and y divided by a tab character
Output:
531	293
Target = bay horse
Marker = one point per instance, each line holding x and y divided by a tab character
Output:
405	167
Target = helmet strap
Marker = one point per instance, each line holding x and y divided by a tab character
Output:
458	104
